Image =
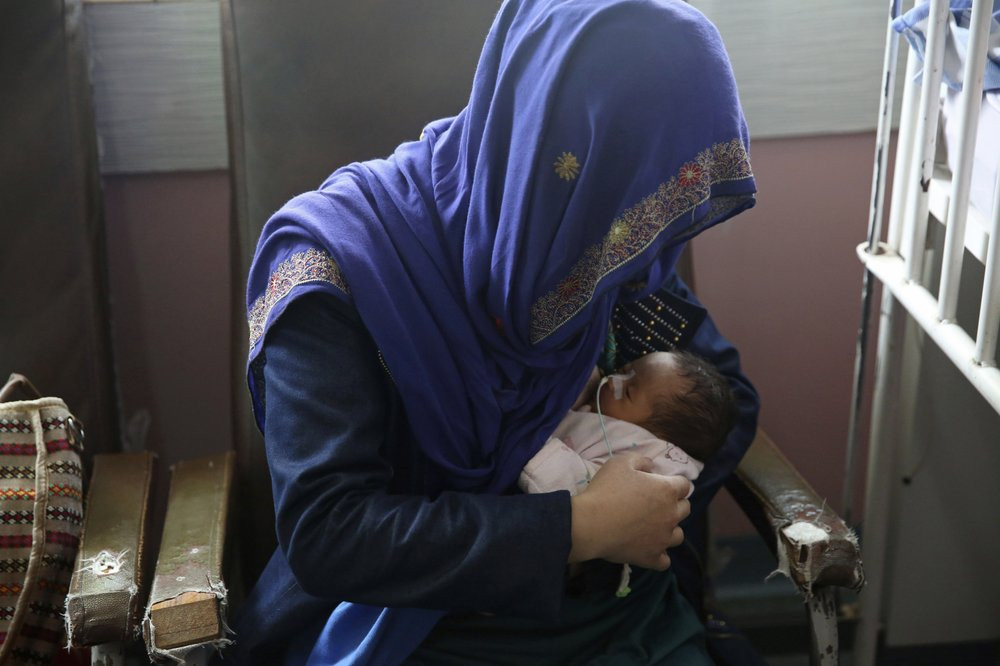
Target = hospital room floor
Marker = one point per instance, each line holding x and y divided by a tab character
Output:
771	615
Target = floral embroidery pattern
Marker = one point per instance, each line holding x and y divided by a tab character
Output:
567	166
637	228
307	266
689	174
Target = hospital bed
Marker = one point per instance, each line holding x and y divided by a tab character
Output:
936	394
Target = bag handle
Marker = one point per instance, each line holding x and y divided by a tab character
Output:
15	382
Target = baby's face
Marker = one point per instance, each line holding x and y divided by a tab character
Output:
654	374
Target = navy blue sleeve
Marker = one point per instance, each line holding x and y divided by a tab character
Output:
709	343
328	410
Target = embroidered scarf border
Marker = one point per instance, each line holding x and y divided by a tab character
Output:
628	236
636	229
309	266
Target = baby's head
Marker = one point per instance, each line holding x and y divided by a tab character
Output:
677	396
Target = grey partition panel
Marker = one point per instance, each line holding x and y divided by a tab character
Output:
313	85
157	80
52	282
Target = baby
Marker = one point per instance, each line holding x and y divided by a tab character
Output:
672	407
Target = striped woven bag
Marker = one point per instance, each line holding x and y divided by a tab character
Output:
41	510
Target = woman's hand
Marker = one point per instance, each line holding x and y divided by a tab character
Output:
627	515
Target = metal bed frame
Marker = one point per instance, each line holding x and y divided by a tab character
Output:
897	263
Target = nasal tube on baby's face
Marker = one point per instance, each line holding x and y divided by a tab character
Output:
618	383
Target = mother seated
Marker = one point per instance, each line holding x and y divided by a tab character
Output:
421	324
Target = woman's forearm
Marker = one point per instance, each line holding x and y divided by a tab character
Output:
345	534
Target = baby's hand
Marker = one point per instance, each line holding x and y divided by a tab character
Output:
588	390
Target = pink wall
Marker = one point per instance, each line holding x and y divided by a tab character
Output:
781	280
168	248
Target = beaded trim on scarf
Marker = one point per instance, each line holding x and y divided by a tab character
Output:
311	265
638	227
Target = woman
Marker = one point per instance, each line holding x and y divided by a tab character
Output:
420	324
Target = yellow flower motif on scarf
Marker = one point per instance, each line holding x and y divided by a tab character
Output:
637	228
567	166
617	231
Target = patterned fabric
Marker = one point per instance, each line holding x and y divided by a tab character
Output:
648	325
66	467
15	425
311	265
41	510
633	232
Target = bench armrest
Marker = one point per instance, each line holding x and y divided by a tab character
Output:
814	546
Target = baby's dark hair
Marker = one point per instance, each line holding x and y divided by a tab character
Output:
698	419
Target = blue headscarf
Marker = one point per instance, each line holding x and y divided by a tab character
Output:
485	257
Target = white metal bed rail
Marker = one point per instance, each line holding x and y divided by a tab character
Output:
898	264
907	235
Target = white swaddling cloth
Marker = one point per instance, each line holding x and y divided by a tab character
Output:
577	449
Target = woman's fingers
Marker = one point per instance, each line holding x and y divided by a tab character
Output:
681	486
641	463
661	562
628	515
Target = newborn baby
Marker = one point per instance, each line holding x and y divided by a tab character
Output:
672	407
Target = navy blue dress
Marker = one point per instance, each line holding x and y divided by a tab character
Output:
354	521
